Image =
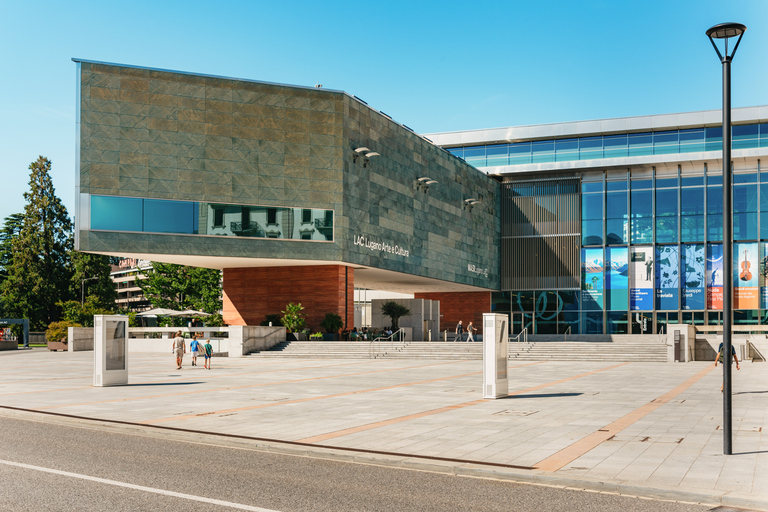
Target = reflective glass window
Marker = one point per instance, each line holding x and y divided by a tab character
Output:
642	231
764	135
520	153
665	142
521	301
692	140
566	149
642	203
616	231
692	201
497	154
714	227
569	299
592	206
714	199
666	229
744	199
666	202
745	226
640	144
592	232
764	225
543	151
693	181
616	185
116	213
591	186
641	184
457	152
745	136
666	182
590	148
713	138
568	319
616	205
169	216
714	179
614	146
592	323
744	178
692	228
475	156
616	322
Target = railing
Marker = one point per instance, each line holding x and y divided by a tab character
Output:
524	335
398	336
566	333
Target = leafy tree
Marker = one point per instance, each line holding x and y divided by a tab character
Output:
273	318
39	274
394	310
87	266
293	318
73	311
11	229
180	287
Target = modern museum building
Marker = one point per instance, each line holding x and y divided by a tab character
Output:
303	194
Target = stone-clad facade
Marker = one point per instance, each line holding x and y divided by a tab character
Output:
153	134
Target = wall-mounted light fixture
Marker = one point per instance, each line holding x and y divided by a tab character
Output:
470	203
365	153
424	183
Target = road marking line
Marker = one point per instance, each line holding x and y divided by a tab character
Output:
574	451
163	492
309	399
384	423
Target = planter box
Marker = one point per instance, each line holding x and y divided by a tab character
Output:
330	336
57	345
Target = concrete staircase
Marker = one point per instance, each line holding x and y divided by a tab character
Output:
624	351
631	349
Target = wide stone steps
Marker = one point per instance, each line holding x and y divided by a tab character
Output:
538	351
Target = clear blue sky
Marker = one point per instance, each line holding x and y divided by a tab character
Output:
435	66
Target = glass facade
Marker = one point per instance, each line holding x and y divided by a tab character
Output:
652	255
112	213
612	146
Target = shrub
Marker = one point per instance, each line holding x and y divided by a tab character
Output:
293	319
58	330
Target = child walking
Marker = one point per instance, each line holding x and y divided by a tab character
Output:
208	351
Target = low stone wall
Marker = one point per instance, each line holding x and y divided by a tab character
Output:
79	339
259	338
9	344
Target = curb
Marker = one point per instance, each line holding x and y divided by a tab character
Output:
402	461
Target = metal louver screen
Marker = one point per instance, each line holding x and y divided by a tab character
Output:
540	230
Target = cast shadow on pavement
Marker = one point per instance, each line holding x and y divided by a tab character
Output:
165	384
543	395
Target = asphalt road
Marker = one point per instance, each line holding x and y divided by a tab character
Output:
53	467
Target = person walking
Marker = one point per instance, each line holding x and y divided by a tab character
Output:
194	347
178	349
719	358
459	332
470	331
208	353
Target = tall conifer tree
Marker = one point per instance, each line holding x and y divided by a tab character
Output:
40	272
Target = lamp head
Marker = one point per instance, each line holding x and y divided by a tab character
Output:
726	31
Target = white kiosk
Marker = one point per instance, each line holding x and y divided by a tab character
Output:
110	350
495	383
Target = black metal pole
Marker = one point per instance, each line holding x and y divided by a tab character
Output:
727	257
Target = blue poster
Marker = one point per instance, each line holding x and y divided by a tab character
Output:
763	276
667	277
592	279
714	276
616	278
641	278
693	272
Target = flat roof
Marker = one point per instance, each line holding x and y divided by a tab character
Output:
744	115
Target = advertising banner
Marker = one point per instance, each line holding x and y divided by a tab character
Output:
616	278
745	276
667	277
762	278
641	278
592	279
714	276
694	269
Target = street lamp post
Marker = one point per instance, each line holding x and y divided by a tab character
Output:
726	31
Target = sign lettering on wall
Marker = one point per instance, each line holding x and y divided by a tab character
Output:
381	246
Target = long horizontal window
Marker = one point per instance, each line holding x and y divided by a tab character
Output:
111	213
612	146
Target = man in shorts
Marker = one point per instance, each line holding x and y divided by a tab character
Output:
193	349
208	352
178	349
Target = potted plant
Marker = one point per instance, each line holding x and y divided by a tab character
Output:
293	320
332	323
316	336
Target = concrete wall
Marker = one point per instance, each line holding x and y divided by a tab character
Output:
9	344
79	339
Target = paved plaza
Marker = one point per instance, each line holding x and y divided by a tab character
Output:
644	429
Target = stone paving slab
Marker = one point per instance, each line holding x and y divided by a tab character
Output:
648	429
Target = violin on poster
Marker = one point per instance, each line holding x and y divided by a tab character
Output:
745	274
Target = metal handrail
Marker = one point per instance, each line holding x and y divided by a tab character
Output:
524	335
566	333
389	338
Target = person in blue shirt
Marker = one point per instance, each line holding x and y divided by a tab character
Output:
719	358
194	348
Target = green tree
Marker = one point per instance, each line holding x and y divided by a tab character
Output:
180	287
395	311
87	266
10	230
39	274
82	314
